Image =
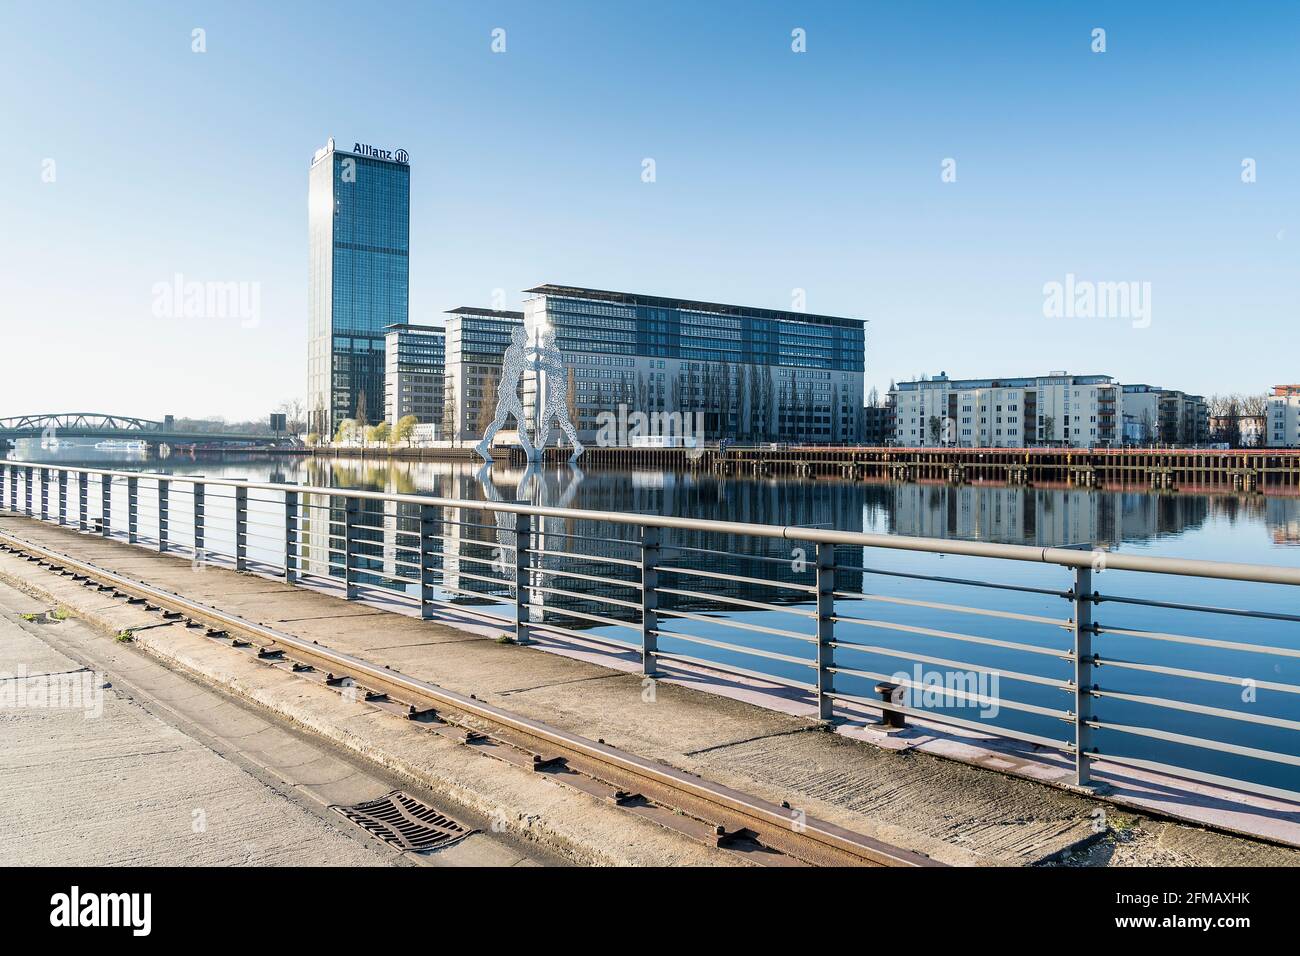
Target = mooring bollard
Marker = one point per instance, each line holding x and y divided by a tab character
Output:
893	719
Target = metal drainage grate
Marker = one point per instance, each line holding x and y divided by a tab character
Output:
404	822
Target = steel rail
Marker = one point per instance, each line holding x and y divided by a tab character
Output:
1065	557
825	835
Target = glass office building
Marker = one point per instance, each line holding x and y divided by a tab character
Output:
751	373
359	221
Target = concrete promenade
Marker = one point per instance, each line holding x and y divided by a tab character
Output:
709	724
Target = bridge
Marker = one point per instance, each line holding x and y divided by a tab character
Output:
104	427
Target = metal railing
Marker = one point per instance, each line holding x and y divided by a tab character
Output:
774	604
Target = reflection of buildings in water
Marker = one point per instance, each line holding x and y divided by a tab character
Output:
1282	516
1044	517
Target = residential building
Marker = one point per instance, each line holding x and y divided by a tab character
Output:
1165	416
1053	409
358	211
1283	417
748	373
476	340
414	362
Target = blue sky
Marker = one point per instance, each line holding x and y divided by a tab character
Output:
775	171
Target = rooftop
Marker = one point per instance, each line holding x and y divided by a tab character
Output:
489	313
690	305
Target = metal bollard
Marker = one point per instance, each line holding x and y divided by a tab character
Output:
890	718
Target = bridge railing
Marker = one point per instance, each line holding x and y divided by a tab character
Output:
1005	645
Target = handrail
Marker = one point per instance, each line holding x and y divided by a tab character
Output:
1064	557
415	556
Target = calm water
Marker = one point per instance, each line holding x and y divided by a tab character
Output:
1255	529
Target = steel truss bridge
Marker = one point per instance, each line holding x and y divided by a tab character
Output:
101	426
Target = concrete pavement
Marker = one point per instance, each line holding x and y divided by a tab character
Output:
143	766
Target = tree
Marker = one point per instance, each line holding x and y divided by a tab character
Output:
1048	425
571	397
362	416
378	434
346	432
313	439
449	408
936	429
405	429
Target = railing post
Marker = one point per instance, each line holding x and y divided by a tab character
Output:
426	561
650	557
241	528
27	493
132	509
1083	675
5	498
351	516
45	494
105	505
83	501
523	576
164	519
290	536
200	507
825	629
63	497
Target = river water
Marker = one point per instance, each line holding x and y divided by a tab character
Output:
890	622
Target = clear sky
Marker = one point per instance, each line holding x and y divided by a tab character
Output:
774	171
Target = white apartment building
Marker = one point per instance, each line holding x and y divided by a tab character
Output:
1057	408
1282	417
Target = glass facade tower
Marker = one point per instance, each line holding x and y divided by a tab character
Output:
359	226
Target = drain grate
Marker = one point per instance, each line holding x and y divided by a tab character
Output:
404	822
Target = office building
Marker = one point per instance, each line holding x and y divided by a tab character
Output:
414	363
1283	417
751	374
476	340
358	210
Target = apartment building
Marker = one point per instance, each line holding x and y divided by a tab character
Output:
1282	417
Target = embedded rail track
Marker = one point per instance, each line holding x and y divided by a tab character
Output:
753	828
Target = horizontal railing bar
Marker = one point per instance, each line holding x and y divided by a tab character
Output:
738	602
583	615
957	608
926	659
595	578
1196	675
953	692
1182	705
1064	654
582	635
1200	641
595	559
741	625
1205	744
599	599
733	554
1065	557
733	669
1186	773
970	582
761	582
736	648
1200	608
941	719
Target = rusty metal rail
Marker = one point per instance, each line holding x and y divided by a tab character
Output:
722	815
